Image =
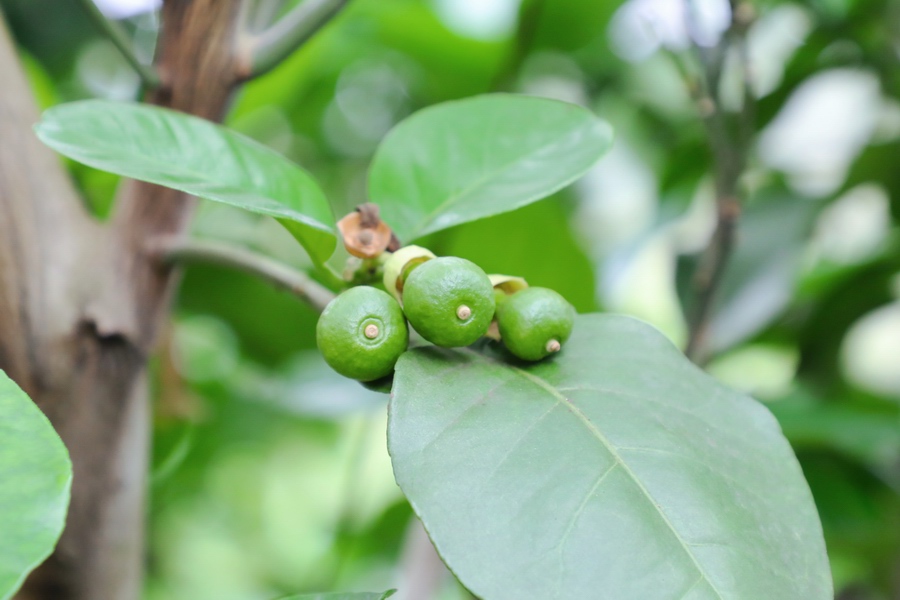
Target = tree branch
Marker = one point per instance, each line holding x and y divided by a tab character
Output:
730	151
709	274
121	41
53	260
226	255
271	47
42	224
82	303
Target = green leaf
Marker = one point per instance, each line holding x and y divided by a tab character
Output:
512	243
195	156
35	477
469	159
341	596
617	466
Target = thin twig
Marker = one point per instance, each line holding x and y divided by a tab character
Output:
730	151
744	15
226	255
114	32
267	50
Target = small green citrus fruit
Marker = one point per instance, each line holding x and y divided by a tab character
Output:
449	300
362	333
535	322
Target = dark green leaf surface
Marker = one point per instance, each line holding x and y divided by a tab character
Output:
196	156
340	596
469	159
616	470
35	476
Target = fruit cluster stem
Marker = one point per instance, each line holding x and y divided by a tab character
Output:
279	274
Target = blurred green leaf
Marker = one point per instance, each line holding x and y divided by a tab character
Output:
340	596
174	456
195	156
861	518
270	325
535	242
35	478
445	65
830	314
452	65
98	188
878	163
307	386
618	452
42	85
571	24
474	158
869	433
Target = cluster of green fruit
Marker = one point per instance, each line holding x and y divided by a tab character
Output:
450	302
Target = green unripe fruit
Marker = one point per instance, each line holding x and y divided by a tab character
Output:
449	300
362	333
535	322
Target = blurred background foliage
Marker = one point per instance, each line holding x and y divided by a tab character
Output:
270	472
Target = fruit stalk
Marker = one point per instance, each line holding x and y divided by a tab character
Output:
278	274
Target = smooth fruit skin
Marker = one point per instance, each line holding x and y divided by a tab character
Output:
449	301
362	333
531	319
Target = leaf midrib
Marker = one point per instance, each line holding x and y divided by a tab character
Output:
561	399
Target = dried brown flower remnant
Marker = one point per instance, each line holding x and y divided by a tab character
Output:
365	235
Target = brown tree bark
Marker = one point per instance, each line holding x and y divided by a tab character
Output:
81	302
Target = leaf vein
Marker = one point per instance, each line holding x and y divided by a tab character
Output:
479	402
561	546
561	399
517	443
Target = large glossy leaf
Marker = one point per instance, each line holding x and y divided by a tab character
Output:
616	470
469	159
347	596
35	476
196	156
